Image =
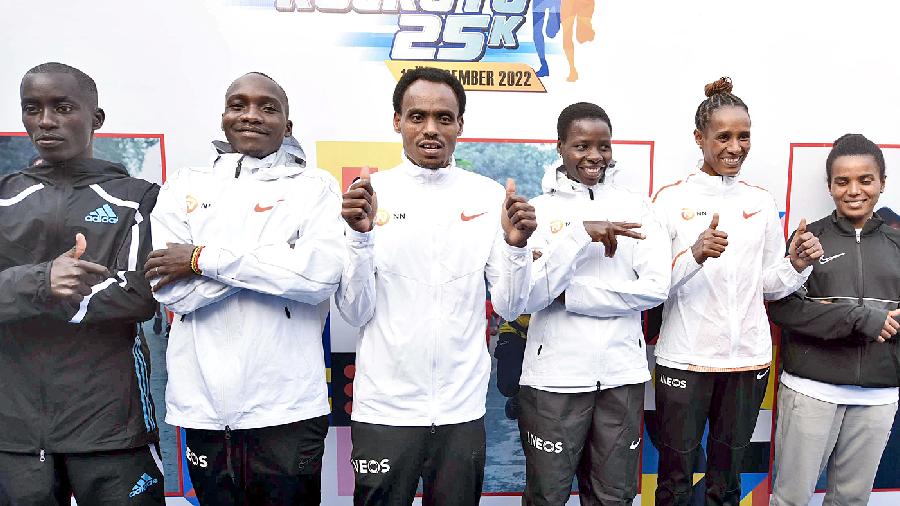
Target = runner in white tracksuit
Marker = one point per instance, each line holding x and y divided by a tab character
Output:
416	286
715	347
245	357
585	360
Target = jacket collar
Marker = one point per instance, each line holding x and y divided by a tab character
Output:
82	172
555	180
846	228
289	160
429	176
713	185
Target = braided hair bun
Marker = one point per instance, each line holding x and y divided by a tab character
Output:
722	85
718	95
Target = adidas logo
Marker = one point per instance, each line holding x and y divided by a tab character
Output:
143	483
103	214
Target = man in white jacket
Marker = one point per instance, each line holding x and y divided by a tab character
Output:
585	362
249	250
420	250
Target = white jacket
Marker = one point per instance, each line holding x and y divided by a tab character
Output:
416	286
595	338
714	316
245	350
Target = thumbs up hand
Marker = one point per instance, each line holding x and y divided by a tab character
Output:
711	243
804	248
360	204
72	278
517	217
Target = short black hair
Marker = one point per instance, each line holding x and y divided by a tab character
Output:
577	111
85	82
854	144
287	105
433	75
718	95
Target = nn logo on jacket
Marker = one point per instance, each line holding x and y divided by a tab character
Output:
103	214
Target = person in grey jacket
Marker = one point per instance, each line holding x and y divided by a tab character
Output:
839	388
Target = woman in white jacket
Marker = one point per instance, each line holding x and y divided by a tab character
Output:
714	348
585	363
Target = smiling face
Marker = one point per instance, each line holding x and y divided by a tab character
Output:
255	120
429	123
586	150
59	116
725	141
855	187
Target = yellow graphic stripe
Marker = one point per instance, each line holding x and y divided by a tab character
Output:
480	76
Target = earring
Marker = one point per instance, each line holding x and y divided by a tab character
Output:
700	163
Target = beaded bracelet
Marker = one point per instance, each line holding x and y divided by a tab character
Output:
195	260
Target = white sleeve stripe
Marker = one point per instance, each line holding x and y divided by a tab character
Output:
82	308
156	457
21	196
135	242
113	200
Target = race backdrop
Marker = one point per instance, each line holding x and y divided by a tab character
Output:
810	71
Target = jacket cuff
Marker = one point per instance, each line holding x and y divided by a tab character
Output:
872	323
209	261
359	238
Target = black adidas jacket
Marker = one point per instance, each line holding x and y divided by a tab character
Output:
835	343
75	378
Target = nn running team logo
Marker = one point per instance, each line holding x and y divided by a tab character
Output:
143	483
103	214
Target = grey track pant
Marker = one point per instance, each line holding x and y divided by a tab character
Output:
811	435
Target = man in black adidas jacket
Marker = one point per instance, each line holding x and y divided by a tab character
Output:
840	350
75	410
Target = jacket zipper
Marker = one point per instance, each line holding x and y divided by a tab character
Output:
228	465
237	169
62	197
860	287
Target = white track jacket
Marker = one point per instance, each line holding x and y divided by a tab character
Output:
714	316
416	286
245	349
595	337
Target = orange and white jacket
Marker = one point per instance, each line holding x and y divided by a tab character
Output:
714	316
416	287
595	337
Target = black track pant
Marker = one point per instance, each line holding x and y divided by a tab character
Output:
684	402
388	462
280	465
120	477
594	436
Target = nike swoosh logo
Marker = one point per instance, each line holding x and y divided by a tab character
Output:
825	260
747	215
634	444
762	374
261	209
463	216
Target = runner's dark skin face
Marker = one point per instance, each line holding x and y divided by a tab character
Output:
586	151
429	123
59	116
855	186
255	120
725	141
